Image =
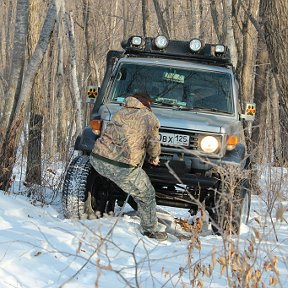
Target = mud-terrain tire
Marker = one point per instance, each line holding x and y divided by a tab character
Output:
227	219
75	190
82	190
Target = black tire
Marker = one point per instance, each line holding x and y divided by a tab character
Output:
75	188
232	211
86	194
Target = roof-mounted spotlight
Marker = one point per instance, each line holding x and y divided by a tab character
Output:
195	45
161	42
219	49
136	41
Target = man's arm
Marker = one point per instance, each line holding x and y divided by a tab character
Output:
153	141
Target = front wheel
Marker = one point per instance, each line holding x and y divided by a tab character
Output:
85	192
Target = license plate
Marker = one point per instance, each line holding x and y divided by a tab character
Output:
174	139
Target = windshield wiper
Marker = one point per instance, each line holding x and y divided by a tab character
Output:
182	108
165	101
209	109
199	108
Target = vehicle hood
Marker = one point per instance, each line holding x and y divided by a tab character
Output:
185	120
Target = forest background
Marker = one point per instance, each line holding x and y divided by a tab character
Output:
51	51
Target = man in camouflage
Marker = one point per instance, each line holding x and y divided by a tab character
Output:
119	155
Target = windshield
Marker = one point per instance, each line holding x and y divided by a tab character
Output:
175	87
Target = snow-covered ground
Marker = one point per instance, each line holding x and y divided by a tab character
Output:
39	248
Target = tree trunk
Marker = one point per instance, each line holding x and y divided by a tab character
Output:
33	169
113	22
12	137
62	110
275	127
223	25
7	14
89	75
276	36
237	24
161	21
145	18
228	31
50	134
218	25
194	18
17	66
246	66
249	55
76	91
260	98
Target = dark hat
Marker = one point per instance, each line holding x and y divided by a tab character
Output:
144	98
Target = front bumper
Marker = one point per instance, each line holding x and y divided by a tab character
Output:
176	186
176	172
185	182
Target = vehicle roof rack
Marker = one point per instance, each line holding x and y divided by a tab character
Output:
178	50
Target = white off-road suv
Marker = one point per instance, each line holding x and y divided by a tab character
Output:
195	97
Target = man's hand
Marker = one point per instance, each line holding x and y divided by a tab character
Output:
155	161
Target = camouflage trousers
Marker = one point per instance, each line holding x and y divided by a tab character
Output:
133	181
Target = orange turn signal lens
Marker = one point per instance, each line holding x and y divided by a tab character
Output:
232	141
96	126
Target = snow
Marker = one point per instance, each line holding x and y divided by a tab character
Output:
39	248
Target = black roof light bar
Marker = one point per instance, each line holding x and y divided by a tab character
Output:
194	50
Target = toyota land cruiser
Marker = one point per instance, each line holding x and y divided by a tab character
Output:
195	97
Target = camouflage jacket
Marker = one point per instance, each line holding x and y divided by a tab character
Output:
133	132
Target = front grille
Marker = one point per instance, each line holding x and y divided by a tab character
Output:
193	141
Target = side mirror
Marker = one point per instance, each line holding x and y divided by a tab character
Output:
250	111
92	94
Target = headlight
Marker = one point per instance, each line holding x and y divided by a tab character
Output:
209	144
136	41
219	50
195	45
161	42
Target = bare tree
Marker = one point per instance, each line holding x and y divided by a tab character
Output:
215	7
276	36
221	12
17	65
7	14
100	25
76	91
195	18
260	98
246	42
161	21
62	111
12	136
249	53
145	18
33	170
228	30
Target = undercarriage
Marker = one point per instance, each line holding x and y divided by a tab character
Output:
176	186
